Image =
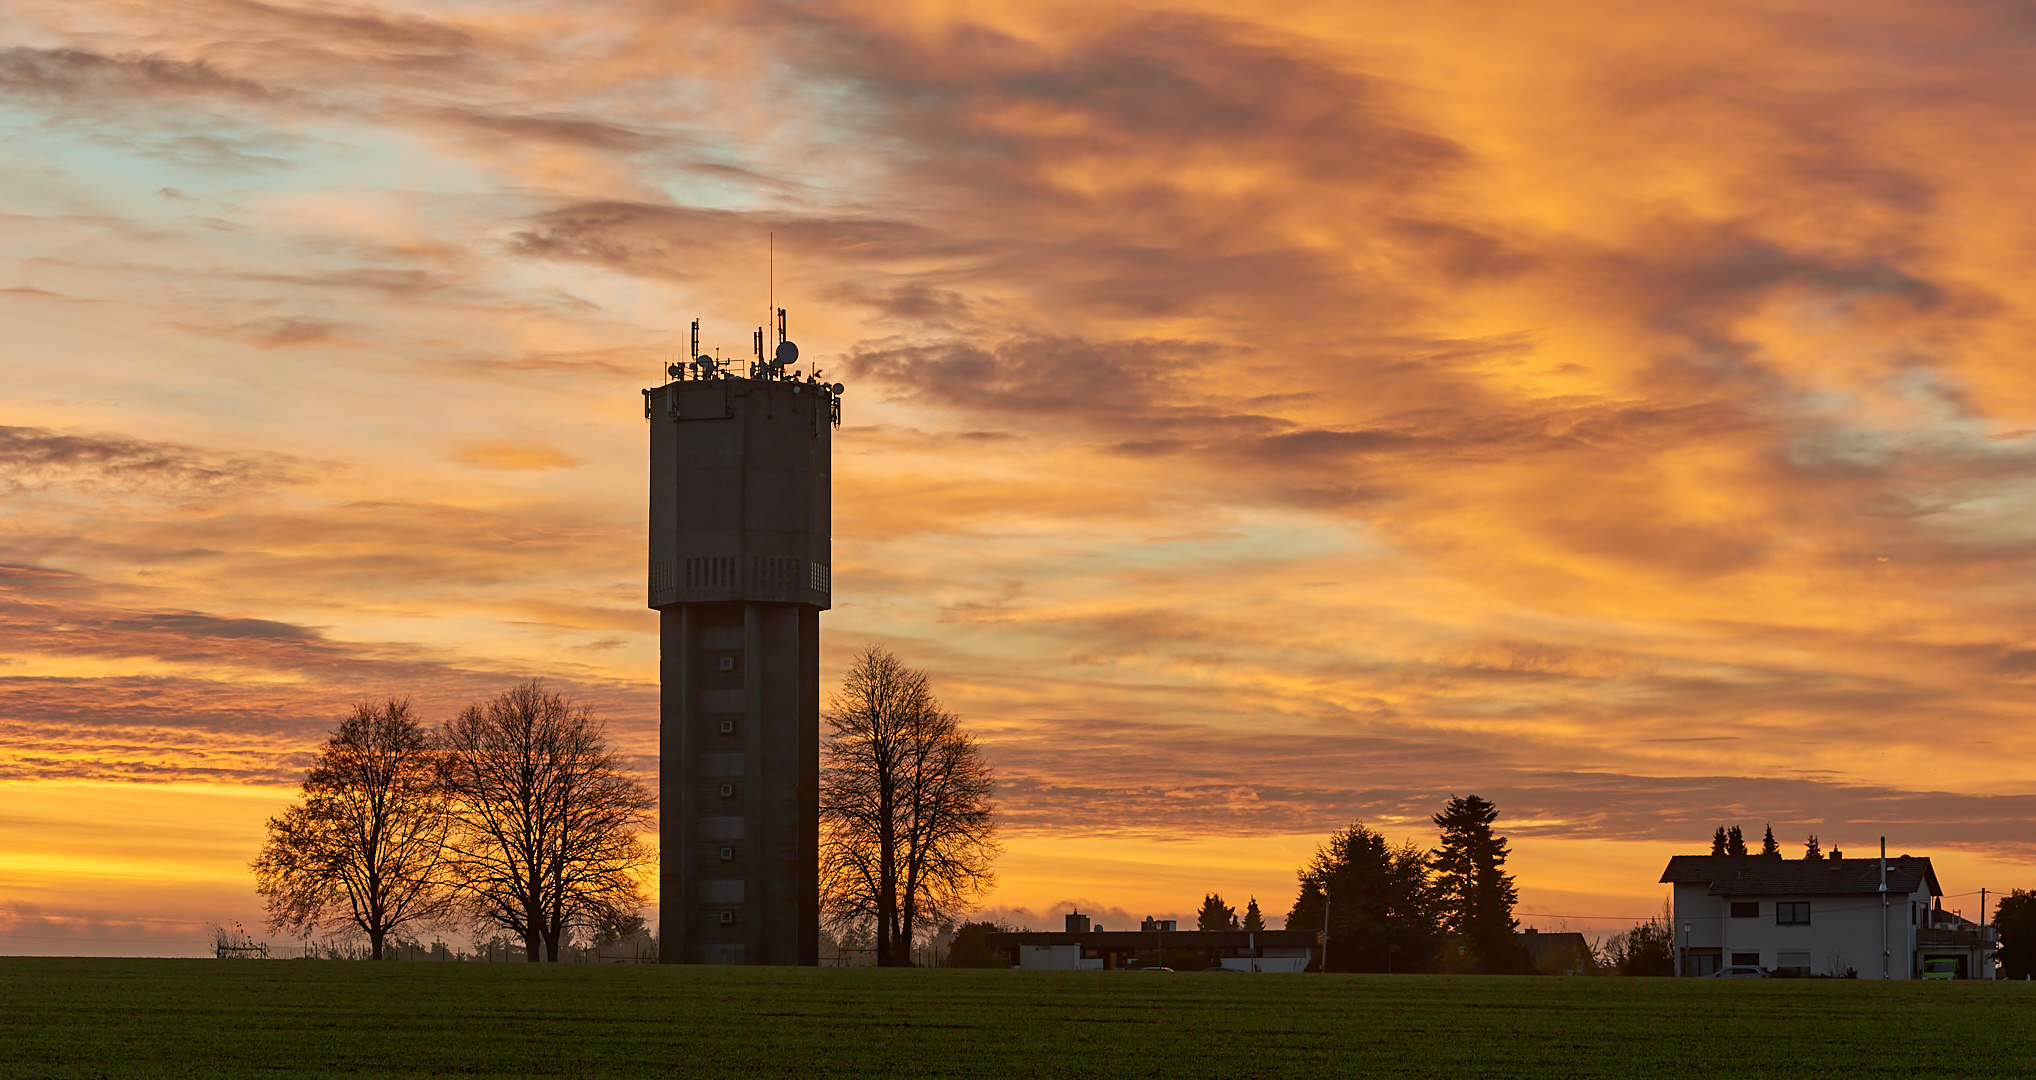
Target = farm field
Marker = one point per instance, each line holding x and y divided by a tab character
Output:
170	1018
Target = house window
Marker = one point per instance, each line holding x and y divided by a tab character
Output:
1746	959
1796	963
1794	913
1746	909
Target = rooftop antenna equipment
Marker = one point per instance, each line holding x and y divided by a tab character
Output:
704	366
678	370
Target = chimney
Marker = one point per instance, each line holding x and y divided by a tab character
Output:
1836	856
1077	923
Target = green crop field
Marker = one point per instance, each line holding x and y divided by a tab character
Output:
209	1018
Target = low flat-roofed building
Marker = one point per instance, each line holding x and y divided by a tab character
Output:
1081	948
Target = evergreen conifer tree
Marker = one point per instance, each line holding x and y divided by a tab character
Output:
1215	914
1476	893
1767	844
1718	841
1253	920
1374	900
1811	851
1735	841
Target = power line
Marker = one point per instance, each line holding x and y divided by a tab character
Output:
1621	918
107	940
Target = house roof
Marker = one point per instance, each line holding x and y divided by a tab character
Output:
1772	875
1542	945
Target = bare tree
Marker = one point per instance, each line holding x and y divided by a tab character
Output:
546	826
364	845
907	836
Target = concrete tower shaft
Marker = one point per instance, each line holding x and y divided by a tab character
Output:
739	550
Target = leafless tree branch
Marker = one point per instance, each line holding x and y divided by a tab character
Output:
907	830
546	828
364	844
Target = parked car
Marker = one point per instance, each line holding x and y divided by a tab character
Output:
1741	971
1940	969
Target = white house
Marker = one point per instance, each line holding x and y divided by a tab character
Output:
1824	917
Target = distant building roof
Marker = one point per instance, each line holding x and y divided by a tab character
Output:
1772	875
1951	920
1177	939
1557	952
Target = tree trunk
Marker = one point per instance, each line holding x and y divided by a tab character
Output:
887	876
551	937
905	919
533	946
375	943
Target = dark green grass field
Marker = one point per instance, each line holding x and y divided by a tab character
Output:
209	1018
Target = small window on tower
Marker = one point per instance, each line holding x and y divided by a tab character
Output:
1746	909
727	727
728	791
728	663
728	853
728	918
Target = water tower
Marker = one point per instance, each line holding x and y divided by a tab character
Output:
739	551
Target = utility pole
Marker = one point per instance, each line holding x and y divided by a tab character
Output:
1986	955
1884	907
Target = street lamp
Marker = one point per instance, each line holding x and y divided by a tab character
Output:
1686	950
1327	911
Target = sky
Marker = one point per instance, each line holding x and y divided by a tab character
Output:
1258	418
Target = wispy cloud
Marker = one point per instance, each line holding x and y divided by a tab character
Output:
1255	421
40	461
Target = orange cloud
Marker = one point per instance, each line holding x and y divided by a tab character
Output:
1257	418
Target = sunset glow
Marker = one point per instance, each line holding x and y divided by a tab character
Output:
1255	421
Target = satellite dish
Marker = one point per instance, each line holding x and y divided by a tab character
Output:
838	388
675	370
705	363
788	353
